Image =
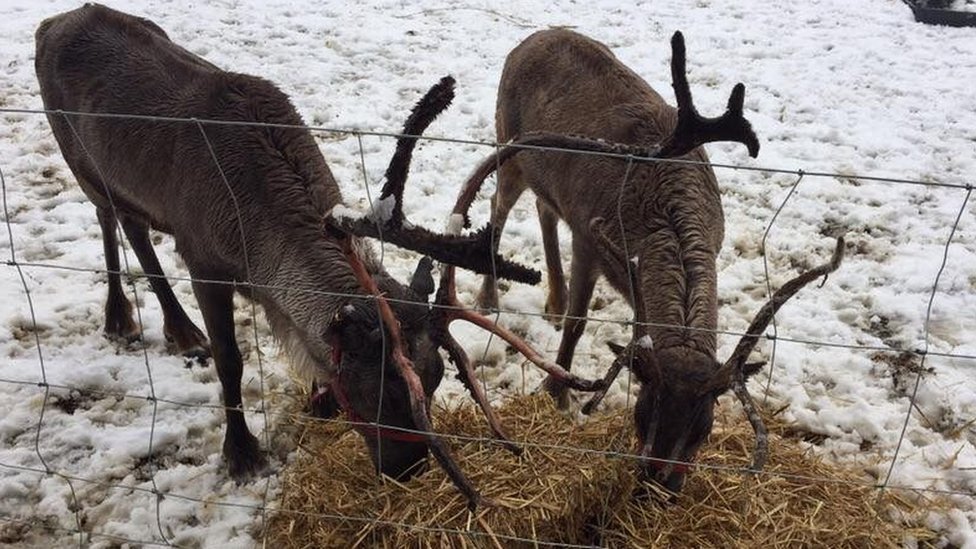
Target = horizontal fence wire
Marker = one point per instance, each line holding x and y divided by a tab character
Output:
488	441
515	312
372	133
86	534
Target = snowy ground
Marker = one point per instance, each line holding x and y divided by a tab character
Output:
855	87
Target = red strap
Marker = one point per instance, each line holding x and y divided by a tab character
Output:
675	467
658	463
364	427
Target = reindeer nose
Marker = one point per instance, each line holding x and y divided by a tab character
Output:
673	482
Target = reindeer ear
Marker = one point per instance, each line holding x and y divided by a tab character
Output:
720	382
422	282
616	347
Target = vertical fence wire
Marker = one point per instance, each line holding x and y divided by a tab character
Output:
493	247
371	207
40	361
117	227
769	289
926	339
266	431
630	266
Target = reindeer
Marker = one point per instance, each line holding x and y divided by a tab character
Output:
652	228
249	201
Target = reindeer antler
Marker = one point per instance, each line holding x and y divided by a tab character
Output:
693	130
447	309
473	252
735	371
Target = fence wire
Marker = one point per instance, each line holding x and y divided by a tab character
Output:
86	533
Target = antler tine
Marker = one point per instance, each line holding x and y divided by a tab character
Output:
761	450
442	336
611	375
404	367
765	314
387	221
433	103
693	130
452	310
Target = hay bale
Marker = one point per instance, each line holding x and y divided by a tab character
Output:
332	498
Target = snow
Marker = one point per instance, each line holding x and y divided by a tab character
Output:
455	224
645	342
382	209
831	86
341	212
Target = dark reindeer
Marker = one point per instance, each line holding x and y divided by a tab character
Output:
663	230
248	198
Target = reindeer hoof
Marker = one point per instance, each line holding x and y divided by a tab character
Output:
589	407
558	392
244	458
188	341
555	308
119	325
196	356
483	502
122	329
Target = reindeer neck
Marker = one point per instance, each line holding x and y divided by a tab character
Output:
677	272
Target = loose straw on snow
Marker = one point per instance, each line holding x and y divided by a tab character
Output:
565	496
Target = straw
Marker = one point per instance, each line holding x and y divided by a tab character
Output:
560	496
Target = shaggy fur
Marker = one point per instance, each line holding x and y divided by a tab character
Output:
668	216
244	204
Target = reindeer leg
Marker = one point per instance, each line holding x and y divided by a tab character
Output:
118	308
549	223
177	326
241	448
582	280
510	186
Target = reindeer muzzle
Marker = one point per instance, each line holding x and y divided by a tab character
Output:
365	428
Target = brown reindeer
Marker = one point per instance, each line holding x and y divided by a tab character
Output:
248	198
663	230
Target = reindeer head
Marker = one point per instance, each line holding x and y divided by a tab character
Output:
367	384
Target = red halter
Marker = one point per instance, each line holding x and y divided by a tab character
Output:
365	428
658	464
675	467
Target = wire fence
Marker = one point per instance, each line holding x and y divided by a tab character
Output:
86	533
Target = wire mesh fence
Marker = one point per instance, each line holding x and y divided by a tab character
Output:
40	379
